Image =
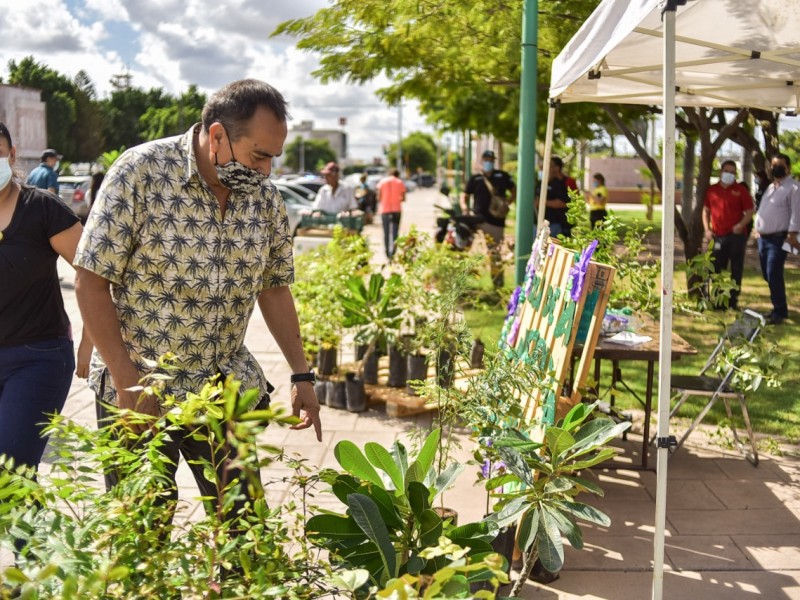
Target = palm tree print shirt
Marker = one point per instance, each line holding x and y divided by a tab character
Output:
183	278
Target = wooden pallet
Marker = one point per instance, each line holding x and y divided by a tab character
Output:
399	403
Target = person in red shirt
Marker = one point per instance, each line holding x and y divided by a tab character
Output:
727	210
391	195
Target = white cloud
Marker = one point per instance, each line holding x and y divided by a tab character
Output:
175	43
109	10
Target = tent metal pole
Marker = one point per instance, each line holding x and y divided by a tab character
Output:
548	152
526	159
667	266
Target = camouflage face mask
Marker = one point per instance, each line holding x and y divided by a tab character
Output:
240	179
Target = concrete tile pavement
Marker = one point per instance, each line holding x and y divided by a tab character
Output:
733	531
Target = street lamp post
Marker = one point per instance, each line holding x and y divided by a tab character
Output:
526	167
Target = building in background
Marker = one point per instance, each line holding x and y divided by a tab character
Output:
23	112
336	137
625	179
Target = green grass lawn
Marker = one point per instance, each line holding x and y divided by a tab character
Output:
773	411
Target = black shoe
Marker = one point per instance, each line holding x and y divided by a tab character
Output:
774	319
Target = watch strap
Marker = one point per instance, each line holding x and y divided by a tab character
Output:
298	377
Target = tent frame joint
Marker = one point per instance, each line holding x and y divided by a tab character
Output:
669	442
672	5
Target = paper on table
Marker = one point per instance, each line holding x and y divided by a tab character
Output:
628	338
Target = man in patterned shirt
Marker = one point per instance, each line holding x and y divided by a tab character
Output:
185	237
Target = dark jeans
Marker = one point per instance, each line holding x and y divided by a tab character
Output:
391	229
557	229
34	383
182	443
773	259
730	249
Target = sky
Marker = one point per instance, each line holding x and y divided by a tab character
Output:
174	43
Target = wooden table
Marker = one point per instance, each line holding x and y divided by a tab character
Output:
647	352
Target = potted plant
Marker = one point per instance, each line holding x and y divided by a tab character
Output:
372	311
320	274
545	481
390	521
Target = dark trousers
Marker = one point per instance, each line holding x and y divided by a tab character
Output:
730	249
34	383
773	259
192	450
391	229
597	216
557	229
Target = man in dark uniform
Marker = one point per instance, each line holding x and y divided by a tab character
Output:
558	188
490	182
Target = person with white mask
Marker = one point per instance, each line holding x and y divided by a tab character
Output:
36	350
727	210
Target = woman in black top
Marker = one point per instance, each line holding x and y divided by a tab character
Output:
36	352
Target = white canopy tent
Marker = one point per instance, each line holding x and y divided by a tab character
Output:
714	53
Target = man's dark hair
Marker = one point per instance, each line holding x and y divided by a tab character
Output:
234	105
785	159
4	132
727	163
600	178
557	161
395	172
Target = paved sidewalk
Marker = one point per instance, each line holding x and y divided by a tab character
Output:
733	531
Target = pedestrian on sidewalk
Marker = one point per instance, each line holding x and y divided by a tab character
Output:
778	223
597	199
391	195
727	211
36	350
186	235
483	186
45	176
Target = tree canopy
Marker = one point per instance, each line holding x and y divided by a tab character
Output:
316	154
461	60
81	126
419	152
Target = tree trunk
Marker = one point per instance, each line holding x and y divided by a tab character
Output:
688	196
651	162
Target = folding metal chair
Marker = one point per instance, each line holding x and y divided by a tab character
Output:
744	330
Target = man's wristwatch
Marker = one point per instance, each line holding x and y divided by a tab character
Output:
298	377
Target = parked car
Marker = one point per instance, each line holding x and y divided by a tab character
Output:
424	179
311	183
295	205
75	192
411	185
297	188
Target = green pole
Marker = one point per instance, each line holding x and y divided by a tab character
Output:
526	159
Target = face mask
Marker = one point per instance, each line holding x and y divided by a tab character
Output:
488	166
779	171
727	178
5	172
241	180
596	184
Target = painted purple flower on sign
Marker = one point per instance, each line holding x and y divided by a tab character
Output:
578	271
512	304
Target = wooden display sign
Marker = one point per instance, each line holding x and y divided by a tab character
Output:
564	294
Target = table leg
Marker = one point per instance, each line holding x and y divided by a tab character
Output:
648	407
616	376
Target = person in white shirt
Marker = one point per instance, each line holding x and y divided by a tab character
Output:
334	197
